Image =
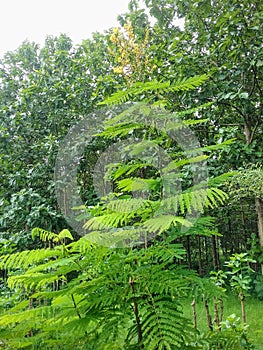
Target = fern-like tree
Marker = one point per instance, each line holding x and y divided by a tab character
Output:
92	294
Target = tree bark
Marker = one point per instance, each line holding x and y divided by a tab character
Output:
188	251
208	316
215	254
221	310
200	269
243	310
216	314
248	133
243	221
194	313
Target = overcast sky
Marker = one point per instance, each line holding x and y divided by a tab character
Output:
35	19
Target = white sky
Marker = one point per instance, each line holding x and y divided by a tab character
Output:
35	19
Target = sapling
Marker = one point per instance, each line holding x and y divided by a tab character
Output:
240	279
233	325
218	278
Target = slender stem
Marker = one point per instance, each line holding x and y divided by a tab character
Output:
136	313
221	309
208	316
216	314
75	306
242	301
193	304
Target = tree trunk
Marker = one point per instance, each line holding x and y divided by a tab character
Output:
243	221
243	310
208	316
259	210
188	251
194	313
216	314
200	270
221	310
248	133
215	254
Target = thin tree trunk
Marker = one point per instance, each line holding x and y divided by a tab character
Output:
230	231
208	316
221	309
199	256
216	314
243	225
206	251
218	254
215	260
194	313
188	252
243	310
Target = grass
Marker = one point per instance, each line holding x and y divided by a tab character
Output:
254	311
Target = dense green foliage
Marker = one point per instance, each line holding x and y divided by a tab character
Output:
183	218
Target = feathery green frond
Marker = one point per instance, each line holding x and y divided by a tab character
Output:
138	184
160	331
175	164
51	236
127	205
162	223
127	169
28	257
138	89
120	130
109	220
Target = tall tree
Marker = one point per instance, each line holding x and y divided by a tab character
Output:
44	91
225	39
